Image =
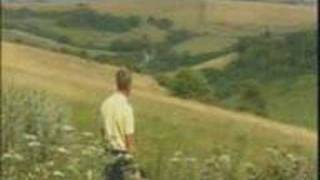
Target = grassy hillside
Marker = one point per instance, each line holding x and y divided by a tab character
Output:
271	75
164	124
146	30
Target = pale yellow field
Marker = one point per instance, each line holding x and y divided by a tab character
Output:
77	79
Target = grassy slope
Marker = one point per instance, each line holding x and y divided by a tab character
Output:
297	101
164	124
217	63
224	21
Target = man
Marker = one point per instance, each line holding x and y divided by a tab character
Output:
118	126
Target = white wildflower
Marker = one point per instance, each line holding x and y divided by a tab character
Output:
87	134
37	169
190	160
211	160
225	159
62	150
18	157
89	174
291	157
85	152
58	173
174	159
273	151
249	166
178	153
68	128
50	163
30	137
7	156
34	144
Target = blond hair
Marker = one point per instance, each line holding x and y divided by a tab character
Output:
123	79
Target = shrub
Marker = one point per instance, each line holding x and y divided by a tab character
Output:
178	36
30	112
39	143
188	83
250	97
91	19
161	23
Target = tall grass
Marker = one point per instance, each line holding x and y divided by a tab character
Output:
39	143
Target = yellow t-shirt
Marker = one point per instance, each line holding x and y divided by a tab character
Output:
118	120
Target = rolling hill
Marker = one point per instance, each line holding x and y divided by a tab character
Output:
220	22
160	117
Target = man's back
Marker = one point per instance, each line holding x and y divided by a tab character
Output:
118	121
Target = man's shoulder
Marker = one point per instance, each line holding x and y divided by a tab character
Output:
115	99
107	101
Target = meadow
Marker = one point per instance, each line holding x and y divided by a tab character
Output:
232	120
82	85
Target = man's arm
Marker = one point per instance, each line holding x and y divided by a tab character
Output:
102	132
129	131
100	124
130	143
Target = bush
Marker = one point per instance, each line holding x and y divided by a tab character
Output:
178	36
30	112
162	23
91	19
188	83
250	97
64	39
38	142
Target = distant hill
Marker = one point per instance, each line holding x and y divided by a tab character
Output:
49	1
88	1
273	75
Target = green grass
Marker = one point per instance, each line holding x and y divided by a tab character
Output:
163	125
160	135
205	44
295	104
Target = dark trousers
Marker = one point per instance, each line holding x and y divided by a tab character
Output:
121	167
116	169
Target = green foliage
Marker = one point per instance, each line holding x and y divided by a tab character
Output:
188	84
39	143
87	18
130	45
281	165
161	23
177	36
284	57
30	112
250	97
263	60
57	25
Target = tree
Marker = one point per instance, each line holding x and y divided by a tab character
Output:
189	83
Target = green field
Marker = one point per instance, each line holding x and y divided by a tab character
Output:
83	85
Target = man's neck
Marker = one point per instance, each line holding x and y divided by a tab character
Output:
124	93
